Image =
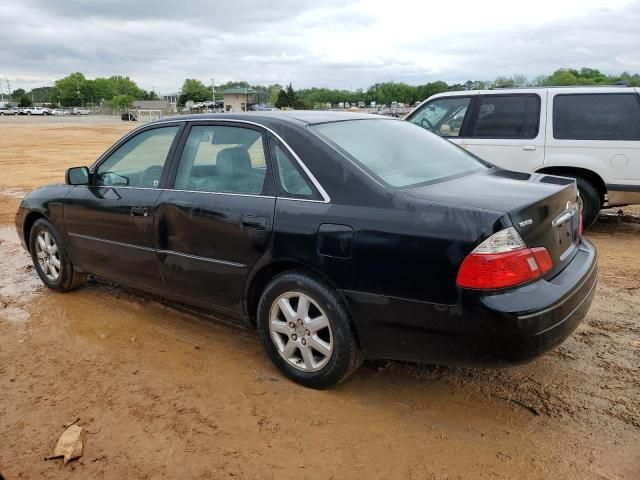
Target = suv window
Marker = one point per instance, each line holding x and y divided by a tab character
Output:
139	162
443	116
597	116
507	116
292	182
222	159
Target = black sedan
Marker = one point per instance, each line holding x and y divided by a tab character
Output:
338	236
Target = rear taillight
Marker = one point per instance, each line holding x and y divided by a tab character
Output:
503	260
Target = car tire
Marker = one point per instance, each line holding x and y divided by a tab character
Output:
50	258
338	355
591	201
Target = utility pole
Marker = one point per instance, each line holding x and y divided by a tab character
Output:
9	89
213	92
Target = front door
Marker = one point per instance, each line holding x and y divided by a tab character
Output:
216	222
110	222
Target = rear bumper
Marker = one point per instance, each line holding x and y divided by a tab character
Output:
482	329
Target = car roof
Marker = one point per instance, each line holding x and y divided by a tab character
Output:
297	117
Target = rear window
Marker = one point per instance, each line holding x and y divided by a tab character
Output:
603	116
399	153
507	116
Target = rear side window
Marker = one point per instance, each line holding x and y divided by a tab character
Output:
291	181
604	116
507	116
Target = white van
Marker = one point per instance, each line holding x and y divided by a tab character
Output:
589	133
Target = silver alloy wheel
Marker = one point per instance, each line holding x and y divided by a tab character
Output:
48	255
301	331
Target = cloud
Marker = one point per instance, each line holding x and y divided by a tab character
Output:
335	43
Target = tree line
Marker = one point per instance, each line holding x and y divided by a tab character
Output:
120	92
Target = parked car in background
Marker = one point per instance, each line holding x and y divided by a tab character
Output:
60	112
9	111
591	134
34	111
79	111
339	236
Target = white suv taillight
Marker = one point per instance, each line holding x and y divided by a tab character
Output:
503	260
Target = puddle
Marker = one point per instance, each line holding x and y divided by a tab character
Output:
19	280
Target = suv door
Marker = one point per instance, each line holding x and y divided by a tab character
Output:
217	220
507	130
110	221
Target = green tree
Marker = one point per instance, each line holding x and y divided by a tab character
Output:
122	101
25	101
194	90
272	93
67	91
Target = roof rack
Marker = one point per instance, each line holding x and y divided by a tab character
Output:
619	84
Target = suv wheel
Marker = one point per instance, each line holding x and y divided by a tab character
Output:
591	201
306	331
50	258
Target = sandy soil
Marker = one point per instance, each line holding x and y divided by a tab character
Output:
166	393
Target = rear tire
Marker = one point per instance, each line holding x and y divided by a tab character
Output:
51	260
591	201
306	331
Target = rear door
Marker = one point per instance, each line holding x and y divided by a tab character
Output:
598	131
110	221
217	220
508	130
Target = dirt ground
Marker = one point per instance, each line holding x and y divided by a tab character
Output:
165	393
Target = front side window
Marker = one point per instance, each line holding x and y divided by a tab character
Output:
507	116
292	182
397	152
222	159
603	116
140	161
443	116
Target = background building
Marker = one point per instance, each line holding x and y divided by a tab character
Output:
239	99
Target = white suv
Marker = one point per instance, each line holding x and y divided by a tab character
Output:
589	133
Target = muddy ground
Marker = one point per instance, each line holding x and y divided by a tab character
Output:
165	393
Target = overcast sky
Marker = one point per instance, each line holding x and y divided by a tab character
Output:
331	43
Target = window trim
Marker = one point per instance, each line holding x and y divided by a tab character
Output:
554	116
476	112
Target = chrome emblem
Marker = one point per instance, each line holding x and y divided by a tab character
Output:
526	222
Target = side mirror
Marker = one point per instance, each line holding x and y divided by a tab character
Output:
77	176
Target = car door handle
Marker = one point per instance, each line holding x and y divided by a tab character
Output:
529	148
253	221
139	212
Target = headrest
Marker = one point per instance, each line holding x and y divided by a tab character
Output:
233	162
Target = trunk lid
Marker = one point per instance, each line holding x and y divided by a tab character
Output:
544	209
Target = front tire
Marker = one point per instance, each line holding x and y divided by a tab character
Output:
306	331
50	258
